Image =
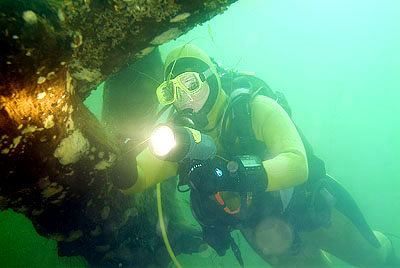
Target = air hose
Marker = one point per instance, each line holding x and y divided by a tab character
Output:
162	227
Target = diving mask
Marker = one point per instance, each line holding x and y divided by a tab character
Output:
188	82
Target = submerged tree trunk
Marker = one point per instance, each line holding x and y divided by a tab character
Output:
54	155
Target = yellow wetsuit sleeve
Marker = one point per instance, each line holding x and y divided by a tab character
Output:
151	171
273	126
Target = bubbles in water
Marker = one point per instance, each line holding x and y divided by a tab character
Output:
273	236
204	250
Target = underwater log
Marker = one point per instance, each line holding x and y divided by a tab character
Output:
54	154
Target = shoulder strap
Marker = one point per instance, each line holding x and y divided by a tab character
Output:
260	87
243	88
238	115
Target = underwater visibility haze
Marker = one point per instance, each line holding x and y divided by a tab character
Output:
338	64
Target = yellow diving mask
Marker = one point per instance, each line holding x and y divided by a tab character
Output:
189	82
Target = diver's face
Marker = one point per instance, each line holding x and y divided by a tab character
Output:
194	101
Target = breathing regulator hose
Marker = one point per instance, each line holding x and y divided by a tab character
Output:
162	227
177	144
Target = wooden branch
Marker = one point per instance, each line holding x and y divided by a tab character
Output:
55	156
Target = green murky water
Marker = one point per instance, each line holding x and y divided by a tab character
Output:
338	64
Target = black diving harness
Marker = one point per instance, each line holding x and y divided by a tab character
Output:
186	118
238	115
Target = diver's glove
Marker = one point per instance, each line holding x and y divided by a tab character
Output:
218	237
242	174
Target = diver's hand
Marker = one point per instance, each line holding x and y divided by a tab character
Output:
219	174
218	237
209	177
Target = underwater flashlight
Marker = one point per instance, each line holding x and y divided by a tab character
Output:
177	143
162	141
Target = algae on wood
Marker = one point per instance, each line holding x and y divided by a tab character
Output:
54	154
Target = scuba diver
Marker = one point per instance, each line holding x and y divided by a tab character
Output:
261	176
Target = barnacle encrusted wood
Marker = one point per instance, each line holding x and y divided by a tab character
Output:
54	155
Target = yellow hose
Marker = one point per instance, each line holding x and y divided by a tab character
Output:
162	227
